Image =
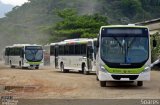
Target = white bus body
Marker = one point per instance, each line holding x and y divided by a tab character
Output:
74	54
24	55
123	54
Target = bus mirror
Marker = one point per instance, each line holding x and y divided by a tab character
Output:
97	44
154	43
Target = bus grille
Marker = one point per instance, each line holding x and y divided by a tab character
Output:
131	77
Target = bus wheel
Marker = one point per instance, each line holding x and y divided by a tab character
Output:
37	67
84	70
20	64
97	78
11	64
139	83
80	71
103	83
62	68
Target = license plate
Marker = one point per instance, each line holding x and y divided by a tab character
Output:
125	79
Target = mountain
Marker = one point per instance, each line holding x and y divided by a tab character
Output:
26	24
4	8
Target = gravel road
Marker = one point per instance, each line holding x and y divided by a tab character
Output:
47	83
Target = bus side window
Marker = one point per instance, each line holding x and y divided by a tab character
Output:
22	53
7	52
52	50
66	49
11	52
61	50
77	49
17	51
71	49
83	49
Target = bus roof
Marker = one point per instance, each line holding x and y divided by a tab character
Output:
8	46
71	41
130	25
78	41
53	44
23	45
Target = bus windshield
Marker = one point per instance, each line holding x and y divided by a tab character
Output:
125	46
34	53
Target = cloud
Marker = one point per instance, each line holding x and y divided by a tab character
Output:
14	2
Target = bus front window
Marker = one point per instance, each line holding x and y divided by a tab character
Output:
124	49
124	46
34	53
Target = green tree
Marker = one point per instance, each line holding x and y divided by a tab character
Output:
156	50
76	26
131	7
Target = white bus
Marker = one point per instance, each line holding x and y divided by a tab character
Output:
123	54
54	55
51	55
24	55
74	54
46	55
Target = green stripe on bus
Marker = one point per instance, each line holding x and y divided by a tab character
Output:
124	70
34	63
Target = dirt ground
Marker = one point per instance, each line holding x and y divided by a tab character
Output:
47	83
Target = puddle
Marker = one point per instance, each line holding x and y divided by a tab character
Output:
21	88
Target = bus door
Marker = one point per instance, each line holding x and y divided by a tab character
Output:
89	56
94	54
22	52
56	57
6	56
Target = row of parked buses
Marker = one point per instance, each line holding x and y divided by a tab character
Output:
119	53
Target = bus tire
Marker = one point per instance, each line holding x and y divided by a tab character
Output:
62	68
80	71
139	83
37	67
84	69
20	64
97	78
67	71
103	83
11	64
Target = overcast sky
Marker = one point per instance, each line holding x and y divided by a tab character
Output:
14	2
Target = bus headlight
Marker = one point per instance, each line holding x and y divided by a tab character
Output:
146	69
102	68
25	61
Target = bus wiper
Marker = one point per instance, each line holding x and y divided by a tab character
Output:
118	42
129	45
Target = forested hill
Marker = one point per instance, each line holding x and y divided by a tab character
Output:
26	24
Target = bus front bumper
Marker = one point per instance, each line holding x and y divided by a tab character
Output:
32	64
106	76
